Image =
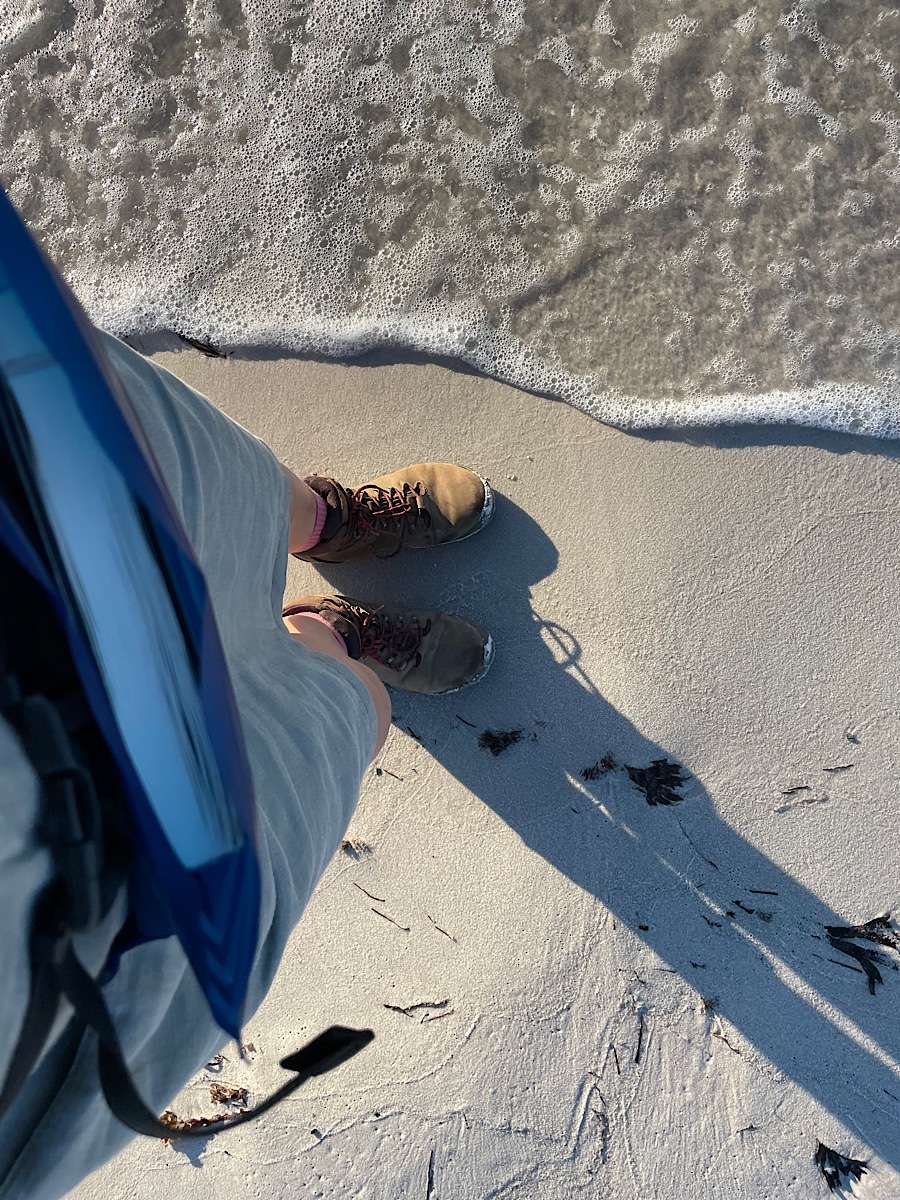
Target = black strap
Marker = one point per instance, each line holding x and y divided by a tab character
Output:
331	1048
43	1005
76	829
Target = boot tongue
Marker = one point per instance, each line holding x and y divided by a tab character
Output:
347	630
336	501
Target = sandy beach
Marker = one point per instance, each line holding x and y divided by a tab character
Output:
597	961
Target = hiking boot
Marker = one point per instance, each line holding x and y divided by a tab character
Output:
429	504
418	650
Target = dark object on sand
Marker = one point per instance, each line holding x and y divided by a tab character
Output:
659	782
498	740
601	767
182	1125
224	1093
878	930
205	348
356	849
836	1168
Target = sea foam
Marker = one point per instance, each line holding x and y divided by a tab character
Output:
664	213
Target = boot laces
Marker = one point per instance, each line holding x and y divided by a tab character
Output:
374	510
394	642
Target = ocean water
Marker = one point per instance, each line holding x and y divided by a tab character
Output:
665	213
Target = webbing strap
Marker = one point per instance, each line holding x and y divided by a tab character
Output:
43	1004
331	1048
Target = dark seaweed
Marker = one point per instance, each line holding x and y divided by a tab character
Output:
878	930
659	782
601	767
837	1168
498	740
205	348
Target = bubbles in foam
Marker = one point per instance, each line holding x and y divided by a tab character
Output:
661	216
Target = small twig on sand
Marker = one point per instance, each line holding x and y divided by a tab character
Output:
693	845
409	1009
616	1057
438	928
722	1038
405	928
429	1184
761	892
385	771
437	1016
377	899
637	1053
465	722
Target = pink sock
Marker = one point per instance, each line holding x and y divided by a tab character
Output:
328	625
321	514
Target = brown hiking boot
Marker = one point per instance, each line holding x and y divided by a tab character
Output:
420	651
429	504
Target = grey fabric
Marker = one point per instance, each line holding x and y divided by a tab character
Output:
310	729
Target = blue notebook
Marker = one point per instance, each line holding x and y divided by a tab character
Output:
115	559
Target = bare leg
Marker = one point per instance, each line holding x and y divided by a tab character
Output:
315	636
303	511
312	633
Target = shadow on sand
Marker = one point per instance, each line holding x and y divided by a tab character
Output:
709	904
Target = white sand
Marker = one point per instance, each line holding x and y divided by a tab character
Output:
731	606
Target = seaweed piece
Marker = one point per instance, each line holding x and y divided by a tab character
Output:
880	931
601	767
498	740
409	1009
206	348
181	1124
224	1093
867	959
659	782
836	1168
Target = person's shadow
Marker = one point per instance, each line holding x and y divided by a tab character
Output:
710	905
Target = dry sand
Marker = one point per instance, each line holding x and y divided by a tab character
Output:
606	997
